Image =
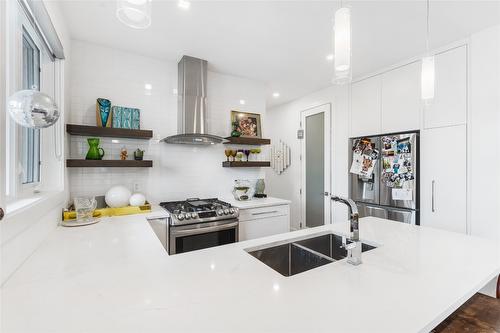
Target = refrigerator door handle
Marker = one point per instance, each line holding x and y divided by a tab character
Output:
433	207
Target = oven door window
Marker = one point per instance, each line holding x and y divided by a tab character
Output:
202	241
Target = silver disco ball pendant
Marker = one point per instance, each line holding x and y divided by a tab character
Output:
33	109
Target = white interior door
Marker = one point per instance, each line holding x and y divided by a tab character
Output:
315	166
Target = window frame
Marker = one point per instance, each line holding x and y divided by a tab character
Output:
23	132
15	188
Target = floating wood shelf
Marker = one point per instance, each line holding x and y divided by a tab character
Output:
85	130
247	141
242	164
74	163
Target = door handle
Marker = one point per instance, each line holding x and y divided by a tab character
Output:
204	230
2	214
433	207
326	194
268	212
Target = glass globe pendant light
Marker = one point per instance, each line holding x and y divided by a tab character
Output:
33	109
428	74
342	45
134	13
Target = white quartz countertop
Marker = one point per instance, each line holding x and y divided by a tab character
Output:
256	202
114	276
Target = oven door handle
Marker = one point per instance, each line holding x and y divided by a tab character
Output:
204	230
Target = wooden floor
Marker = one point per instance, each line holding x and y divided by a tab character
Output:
480	314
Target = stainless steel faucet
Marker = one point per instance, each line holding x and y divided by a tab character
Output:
354	246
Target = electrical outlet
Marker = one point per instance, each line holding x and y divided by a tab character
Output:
137	187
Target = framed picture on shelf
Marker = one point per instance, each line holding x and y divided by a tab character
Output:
248	124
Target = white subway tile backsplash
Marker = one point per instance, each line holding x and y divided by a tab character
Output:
178	171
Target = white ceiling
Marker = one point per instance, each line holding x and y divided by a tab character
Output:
282	43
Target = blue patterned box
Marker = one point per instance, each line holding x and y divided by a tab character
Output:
124	117
136	119
117	116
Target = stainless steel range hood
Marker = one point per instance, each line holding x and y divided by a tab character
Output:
192	115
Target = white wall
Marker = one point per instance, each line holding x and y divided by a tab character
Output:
285	121
179	171
484	119
23	231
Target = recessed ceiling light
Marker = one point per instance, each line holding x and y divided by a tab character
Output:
242	102
329	57
184	4
276	94
175	91
148	86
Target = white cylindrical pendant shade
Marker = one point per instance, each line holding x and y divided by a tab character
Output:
134	13
428	78
342	44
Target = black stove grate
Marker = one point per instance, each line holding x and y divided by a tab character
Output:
194	205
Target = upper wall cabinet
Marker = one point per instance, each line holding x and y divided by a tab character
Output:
365	107
449	106
401	103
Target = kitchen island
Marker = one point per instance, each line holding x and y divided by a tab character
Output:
115	276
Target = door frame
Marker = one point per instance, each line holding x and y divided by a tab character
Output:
327	110
3	102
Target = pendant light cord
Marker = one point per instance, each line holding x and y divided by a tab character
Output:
428	28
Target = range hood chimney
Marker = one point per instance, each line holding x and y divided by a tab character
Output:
192	104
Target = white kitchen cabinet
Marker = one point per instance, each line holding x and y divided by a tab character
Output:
264	221
401	102
449	106
443	183
365	107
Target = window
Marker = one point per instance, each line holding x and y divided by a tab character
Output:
29	137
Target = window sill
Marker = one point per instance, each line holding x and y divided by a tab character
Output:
21	205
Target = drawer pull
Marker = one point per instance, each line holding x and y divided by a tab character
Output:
262	213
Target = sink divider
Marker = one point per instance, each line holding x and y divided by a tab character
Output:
315	252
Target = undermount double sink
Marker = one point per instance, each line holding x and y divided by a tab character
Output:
294	257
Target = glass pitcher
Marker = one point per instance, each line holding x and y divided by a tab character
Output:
95	152
84	207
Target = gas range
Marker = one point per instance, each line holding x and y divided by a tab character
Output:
195	210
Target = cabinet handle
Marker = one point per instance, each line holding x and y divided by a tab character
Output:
1	214
432	201
262	213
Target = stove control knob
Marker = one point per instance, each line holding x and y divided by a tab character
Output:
194	215
180	217
220	212
226	211
188	216
231	210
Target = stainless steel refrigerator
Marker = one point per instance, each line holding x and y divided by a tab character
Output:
390	189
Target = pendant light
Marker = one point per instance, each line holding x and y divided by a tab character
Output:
428	76
342	45
33	109
134	13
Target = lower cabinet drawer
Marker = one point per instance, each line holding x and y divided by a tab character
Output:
263	227
263	212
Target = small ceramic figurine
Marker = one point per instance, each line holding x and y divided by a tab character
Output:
123	154
235	133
